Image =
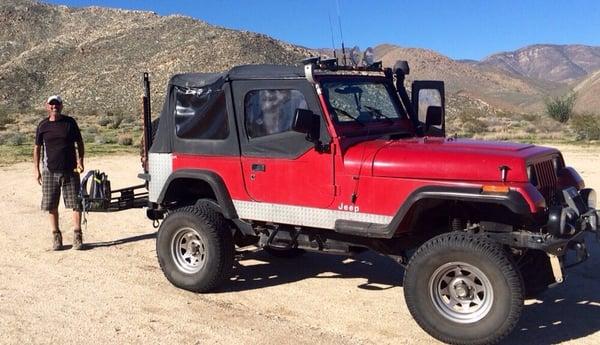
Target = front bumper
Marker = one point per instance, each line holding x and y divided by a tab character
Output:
565	232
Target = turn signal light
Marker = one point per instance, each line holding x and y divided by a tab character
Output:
495	189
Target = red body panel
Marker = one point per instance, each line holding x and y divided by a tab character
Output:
304	181
229	168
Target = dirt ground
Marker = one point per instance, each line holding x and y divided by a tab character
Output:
115	292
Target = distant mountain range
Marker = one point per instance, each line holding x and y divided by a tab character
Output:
94	57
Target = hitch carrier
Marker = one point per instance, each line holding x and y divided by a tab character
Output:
119	200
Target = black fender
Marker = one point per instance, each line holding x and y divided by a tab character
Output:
214	181
512	200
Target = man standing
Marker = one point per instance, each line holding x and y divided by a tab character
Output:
57	135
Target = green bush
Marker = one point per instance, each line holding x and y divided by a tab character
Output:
586	126
561	108
13	139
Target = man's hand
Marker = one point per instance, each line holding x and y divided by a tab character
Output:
39	177
80	165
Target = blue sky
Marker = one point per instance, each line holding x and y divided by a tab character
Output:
460	29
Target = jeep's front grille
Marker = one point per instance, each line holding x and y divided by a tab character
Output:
546	179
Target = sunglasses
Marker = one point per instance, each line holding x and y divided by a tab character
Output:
54	103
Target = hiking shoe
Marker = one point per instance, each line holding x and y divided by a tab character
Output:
57	240
77	240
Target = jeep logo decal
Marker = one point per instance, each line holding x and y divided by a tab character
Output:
349	208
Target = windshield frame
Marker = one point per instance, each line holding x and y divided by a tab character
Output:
376	125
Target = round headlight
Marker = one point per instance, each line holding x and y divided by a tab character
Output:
589	197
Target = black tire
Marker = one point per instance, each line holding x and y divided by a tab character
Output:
459	264
536	271
195	248
284	253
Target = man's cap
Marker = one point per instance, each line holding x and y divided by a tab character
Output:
54	98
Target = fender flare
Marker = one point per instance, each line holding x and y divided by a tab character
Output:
513	200
214	181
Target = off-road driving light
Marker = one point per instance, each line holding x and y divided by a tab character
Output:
589	197
561	221
495	189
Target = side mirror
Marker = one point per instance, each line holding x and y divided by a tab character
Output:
305	121
434	116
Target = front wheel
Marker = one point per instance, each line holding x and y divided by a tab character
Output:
463	289
195	248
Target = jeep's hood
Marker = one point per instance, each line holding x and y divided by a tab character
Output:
444	159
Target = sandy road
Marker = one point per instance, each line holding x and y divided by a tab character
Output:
115	292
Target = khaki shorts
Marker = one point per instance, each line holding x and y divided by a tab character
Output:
53	182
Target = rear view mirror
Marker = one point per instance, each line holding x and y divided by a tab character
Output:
434	116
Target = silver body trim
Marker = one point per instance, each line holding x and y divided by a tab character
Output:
302	216
160	167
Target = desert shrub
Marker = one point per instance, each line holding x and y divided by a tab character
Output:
470	122
586	126
125	140
13	139
5	118
103	121
116	121
561	108
104	139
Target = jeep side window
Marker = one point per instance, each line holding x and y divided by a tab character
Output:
271	111
201	113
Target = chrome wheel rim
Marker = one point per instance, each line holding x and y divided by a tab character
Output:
188	250
461	292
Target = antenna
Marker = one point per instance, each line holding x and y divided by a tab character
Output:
341	33
332	41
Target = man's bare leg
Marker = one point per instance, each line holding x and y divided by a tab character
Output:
54	219
56	235
77	220
77	236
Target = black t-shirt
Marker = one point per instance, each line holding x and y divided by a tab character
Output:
58	138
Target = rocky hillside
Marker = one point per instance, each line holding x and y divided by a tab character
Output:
555	63
491	87
588	94
95	57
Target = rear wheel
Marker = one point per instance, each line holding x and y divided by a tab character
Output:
463	289
195	248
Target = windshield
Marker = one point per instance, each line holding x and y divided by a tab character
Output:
361	101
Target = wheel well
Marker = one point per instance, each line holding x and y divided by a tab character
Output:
430	217
186	191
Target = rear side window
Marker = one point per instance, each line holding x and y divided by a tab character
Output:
271	111
201	113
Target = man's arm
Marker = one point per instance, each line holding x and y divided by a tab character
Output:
36	163
80	154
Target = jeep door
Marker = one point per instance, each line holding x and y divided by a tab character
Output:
280	166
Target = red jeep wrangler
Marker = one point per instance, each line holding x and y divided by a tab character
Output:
340	159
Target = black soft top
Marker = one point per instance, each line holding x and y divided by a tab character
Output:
237	73
208	89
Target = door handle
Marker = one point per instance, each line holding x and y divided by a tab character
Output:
258	167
